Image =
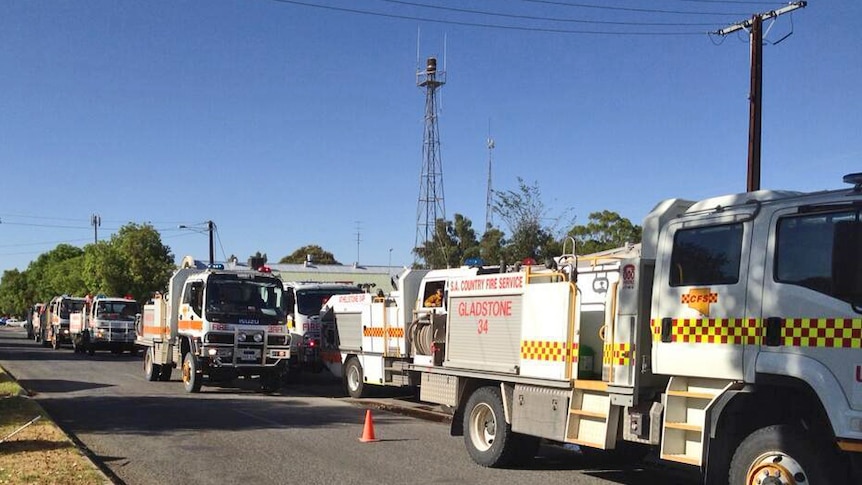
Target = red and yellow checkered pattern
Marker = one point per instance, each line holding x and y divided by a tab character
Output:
822	332
548	350
795	332
393	332
618	354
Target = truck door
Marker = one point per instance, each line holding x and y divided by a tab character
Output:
812	299
698	315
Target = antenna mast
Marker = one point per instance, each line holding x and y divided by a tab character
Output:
430	206
488	211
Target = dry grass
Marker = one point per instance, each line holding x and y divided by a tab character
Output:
40	453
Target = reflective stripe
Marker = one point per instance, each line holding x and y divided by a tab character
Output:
548	350
191	325
394	332
795	332
618	354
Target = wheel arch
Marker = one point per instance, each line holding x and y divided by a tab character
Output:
467	387
774	400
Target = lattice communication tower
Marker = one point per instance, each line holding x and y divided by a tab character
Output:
431	205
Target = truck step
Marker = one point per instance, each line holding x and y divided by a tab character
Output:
685	415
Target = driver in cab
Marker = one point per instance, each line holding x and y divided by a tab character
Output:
436	298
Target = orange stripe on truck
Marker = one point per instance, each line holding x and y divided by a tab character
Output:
148	330
191	325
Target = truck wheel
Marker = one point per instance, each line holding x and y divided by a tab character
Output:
782	455
354	382
44	339
152	371
192	375
165	375
270	381
489	439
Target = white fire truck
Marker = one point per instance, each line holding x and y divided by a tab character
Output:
303	301
36	315
730	339
55	331
104	324
216	324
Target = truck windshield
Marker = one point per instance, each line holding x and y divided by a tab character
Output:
246	301
70	306
309	302
117	310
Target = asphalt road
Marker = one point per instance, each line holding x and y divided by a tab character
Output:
154	433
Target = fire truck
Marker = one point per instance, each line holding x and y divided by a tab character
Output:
104	324
303	301
35	317
55	331
728	339
216	325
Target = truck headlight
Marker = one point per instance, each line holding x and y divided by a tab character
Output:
258	337
241	337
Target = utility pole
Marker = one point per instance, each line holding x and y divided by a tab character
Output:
95	221
755	97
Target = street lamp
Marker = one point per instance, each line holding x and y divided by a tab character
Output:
210	227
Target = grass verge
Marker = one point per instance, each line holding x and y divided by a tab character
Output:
41	452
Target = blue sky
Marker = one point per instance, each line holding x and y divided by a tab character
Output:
289	124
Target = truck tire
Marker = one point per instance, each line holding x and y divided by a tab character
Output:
152	371
786	455
489	438
354	380
192	375
270	381
44	338
165	375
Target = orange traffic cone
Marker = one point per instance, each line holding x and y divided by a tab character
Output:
368	431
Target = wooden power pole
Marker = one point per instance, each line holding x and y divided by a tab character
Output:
755	97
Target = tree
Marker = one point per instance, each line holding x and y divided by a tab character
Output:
103	270
605	230
14	298
451	245
43	280
491	246
317	253
147	262
524	213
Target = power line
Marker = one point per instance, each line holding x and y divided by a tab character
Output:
54	226
628	9
732	2
484	25
548	19
42	243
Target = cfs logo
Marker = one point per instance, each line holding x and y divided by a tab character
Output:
699	299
